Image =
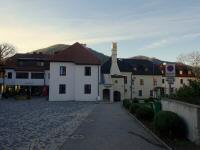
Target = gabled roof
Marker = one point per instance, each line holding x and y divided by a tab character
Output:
78	54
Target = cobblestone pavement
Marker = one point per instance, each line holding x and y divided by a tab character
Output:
38	124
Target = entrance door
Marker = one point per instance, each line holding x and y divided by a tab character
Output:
117	96
106	94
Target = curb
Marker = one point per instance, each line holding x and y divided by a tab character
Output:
148	130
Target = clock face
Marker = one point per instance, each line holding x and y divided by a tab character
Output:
170	68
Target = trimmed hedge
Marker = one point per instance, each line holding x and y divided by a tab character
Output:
133	107
126	103
145	113
169	124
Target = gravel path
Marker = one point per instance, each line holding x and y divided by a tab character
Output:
38	124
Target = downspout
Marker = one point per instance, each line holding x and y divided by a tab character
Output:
98	81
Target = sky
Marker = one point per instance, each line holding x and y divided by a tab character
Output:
156	28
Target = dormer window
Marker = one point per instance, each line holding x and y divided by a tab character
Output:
181	72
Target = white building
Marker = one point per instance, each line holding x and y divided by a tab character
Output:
74	75
77	74
26	72
138	78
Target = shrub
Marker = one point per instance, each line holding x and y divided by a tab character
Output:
135	100
169	124
133	107
126	103
145	113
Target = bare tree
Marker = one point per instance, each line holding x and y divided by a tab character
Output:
6	50
192	59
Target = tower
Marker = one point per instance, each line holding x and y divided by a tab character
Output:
114	66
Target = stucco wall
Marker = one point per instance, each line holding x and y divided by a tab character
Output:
74	80
190	113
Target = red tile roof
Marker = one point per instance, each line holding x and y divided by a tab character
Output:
78	54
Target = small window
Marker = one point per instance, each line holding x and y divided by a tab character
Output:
9	75
62	89
40	63
87	89
141	82
163	81
181	72
181	81
125	90
125	79
22	75
62	71
87	71
140	93
151	93
48	75
116	81
37	75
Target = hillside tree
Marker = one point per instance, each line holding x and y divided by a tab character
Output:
192	59
6	50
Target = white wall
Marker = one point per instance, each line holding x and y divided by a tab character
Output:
74	80
190	113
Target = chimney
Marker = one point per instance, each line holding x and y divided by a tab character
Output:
114	66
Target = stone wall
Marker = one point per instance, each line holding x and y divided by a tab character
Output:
190	113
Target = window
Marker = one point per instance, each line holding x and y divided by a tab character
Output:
189	72
48	75
181	81
22	75
9	75
87	89
62	71
151	93
40	63
62	89
116	81
140	93
141	82
87	71
180	72
163	81
37	75
125	79
125	90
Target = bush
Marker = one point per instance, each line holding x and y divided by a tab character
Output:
133	107
126	103
145	113
169	124
135	100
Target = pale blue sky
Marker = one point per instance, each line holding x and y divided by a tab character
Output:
155	28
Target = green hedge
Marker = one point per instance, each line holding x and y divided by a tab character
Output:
169	124
133	107
145	113
126	103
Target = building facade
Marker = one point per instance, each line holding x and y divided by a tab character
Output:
77	74
74	75
138	78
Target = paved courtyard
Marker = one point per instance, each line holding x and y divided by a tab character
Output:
38	124
109	127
